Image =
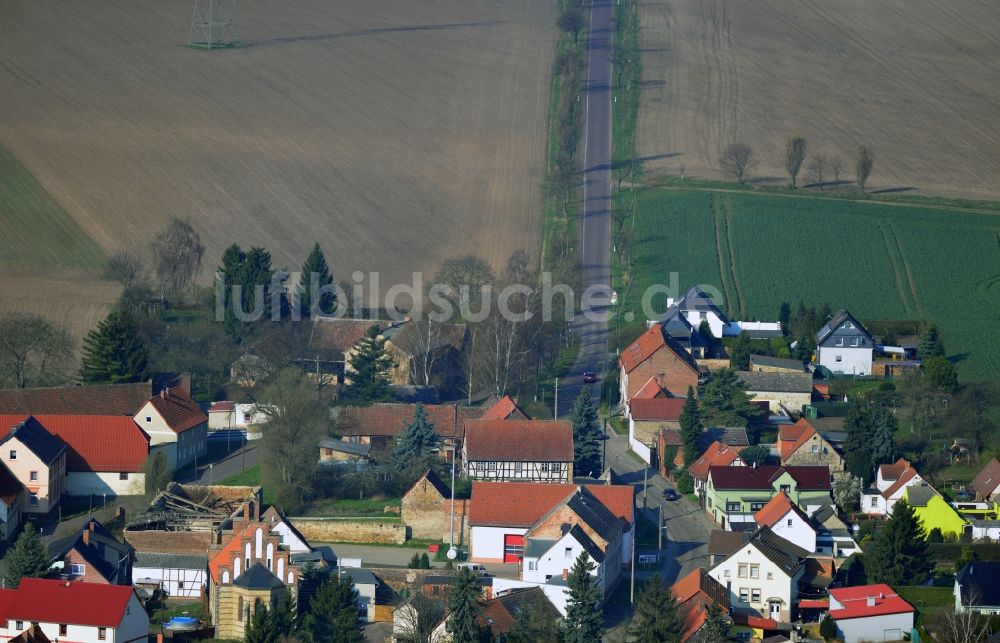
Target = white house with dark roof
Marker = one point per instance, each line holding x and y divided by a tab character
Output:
178	575
37	459
843	345
977	588
891	481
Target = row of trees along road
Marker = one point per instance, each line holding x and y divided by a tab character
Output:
738	160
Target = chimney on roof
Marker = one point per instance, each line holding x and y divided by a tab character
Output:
564	528
86	537
871	601
163	394
91	525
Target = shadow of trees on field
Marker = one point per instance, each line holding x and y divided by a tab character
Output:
263	42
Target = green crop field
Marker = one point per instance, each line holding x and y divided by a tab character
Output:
882	262
36	230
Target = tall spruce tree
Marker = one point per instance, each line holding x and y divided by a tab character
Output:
316	272
656	618
739	352
261	628
724	400
691	428
587	436
369	370
857	456
246	278
930	343
28	558
415	441
584	622
333	613
881	435
464	608
898	555
114	352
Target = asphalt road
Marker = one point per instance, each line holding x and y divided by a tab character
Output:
594	224
210	472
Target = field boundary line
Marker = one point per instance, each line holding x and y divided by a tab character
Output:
728	205
906	266
720	253
895	261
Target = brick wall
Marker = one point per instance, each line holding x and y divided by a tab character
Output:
674	374
350	531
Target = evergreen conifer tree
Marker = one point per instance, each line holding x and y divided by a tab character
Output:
739	352
261	627
898	555
463	608
858	458
584	622
828	628
114	352
724	400
333	613
691	428
882	440
315	265
656	618
28	558
930	343
369	370
587	436
716	627
415	442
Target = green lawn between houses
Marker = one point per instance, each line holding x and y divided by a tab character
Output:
892	261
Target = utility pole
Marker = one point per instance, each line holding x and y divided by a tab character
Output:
631	580
604	458
555	404
659	524
645	474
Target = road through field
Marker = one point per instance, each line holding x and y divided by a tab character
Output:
594	226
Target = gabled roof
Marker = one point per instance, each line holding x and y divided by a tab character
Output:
331	337
183	543
505	409
56	601
521	504
588	544
501	613
810	478
593	512
650	390
697	299
786	555
390	418
178	410
716	455
104	553
791	437
919	495
731	436
224	406
101	399
895	470
10	486
519	440
29	432
434	481
776	509
776	382
904	480
724	543
855	601
777	362
694	593
257	577
835	322
980	583
651	342
170	561
660	409
33	634
99	442
986	482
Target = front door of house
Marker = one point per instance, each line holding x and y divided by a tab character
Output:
775	611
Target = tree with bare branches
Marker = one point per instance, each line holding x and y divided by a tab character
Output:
795	155
864	162
177	254
966	626
127	268
836	169
817	169
737	160
33	351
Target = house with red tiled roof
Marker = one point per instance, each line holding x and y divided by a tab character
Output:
656	355
500	514
802	444
67	611
716	455
176	425
505	409
891	481
518	450
647	417
788	521
870	612
650	390
97	399
694	594
37	459
380	424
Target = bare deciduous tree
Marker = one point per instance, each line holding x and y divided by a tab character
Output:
177	254
465	277
836	169
817	169
33	351
864	162
795	155
962	627
421	340
415	621
736	160
127	268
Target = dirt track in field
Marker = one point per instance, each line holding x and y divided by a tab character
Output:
919	80
394	133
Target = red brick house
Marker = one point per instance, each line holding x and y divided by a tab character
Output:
656	355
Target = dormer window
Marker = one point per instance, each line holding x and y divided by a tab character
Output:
839	342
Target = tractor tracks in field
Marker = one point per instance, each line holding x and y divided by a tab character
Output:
897	268
901	267
721	216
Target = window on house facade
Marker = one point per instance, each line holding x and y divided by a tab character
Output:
787	488
491	466
532	565
33	475
755	596
744	595
239	609
518	467
757	506
742	570
815	448
770	576
102	634
76	569
568	553
788	522
18	625
754	571
544	467
180	584
854	341
839	341
732	506
13	454
709	503
874	501
839	359
62	629
33	500
123	476
149	419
